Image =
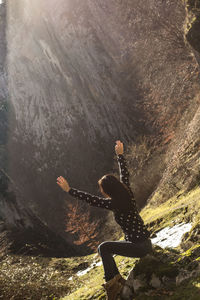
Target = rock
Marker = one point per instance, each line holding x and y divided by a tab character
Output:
169	282
160	271
138	283
186	274
132	286
154	271
193	265
183	275
155	281
127	292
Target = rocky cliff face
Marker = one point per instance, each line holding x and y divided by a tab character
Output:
82	74
193	23
183	154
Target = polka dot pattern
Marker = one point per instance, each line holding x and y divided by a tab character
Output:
130	222
91	199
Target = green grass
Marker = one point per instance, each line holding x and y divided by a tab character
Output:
90	284
180	208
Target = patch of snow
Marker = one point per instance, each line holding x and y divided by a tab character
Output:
83	272
171	236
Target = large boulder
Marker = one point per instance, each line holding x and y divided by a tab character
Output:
163	269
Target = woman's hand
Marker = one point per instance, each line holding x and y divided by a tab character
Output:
119	147
62	182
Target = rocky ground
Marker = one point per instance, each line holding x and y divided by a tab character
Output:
164	273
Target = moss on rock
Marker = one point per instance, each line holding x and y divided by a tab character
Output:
192	30
158	263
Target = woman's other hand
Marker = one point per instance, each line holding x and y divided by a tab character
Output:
62	182
119	147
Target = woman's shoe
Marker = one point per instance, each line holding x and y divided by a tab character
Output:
114	287
122	280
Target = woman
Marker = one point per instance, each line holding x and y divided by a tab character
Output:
120	200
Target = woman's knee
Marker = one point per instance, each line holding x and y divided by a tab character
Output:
103	247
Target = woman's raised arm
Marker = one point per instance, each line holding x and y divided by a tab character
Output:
89	198
123	170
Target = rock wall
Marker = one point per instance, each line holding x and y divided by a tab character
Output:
182	169
82	74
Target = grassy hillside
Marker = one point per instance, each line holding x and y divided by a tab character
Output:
184	208
48	278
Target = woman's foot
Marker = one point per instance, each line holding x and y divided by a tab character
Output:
122	280
114	286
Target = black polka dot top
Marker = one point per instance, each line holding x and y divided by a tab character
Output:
130	222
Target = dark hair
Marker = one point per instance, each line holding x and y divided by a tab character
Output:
117	190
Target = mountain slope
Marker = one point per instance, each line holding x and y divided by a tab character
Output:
82	74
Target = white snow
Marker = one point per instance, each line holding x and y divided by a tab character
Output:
171	236
83	272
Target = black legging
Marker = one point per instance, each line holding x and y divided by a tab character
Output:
123	248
